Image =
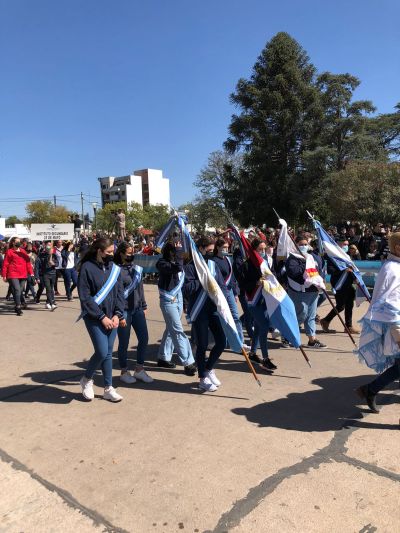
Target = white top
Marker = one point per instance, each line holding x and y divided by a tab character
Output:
71	260
386	290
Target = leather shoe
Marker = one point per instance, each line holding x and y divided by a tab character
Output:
364	394
165	364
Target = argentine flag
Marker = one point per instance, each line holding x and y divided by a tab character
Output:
342	261
213	290
280	307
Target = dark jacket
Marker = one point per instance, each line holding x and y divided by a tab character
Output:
296	266
168	272
65	255
336	274
43	266
192	287
250	275
136	299
92	277
222	263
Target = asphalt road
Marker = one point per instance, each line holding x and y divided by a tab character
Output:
299	454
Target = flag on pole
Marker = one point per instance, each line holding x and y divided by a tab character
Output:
342	262
213	291
280	308
286	245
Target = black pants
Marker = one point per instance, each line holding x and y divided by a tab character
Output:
30	288
48	281
17	286
387	377
344	300
208	318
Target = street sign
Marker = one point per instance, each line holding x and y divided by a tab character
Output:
52	232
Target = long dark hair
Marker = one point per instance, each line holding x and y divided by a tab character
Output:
204	241
255	243
122	248
91	253
169	251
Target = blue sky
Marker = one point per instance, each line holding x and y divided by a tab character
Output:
93	88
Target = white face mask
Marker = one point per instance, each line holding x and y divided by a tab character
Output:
303	249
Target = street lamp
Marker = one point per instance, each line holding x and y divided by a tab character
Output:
94	205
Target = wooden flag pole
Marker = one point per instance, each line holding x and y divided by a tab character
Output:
251	366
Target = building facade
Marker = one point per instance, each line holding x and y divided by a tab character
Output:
147	186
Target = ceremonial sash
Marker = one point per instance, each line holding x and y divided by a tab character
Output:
170	296
228	279
106	288
136	274
201	298
311	276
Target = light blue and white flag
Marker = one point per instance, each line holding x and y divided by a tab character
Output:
342	261
213	291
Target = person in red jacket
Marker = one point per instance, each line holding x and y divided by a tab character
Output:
16	269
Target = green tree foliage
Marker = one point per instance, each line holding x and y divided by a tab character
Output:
42	211
150	217
204	213
369	191
155	216
12	220
280	110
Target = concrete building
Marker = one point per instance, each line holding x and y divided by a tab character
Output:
19	230
147	186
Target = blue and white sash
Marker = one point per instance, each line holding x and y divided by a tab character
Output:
201	298
170	296
106	288
136	274
228	279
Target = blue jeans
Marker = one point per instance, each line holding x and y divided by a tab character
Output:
103	342
174	336
248	318
208	318
136	319
235	313
70	276
305	304
261	327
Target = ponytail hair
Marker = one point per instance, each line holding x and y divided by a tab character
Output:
91	253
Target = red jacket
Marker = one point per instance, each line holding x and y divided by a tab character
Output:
17	264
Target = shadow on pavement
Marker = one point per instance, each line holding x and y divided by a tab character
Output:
329	408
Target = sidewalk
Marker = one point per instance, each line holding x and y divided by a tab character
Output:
298	454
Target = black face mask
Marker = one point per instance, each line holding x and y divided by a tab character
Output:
17	244
129	258
208	256
108	258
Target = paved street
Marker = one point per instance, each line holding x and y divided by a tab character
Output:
298	454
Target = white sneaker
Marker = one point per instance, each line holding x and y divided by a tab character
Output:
143	376
112	395
207	385
246	347
49	307
53	306
275	335
213	378
127	377
87	388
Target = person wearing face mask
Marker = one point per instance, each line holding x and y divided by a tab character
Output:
251	281
69	264
16	269
134	316
379	344
220	257
170	282
30	282
302	269
345	295
101	294
203	316
45	272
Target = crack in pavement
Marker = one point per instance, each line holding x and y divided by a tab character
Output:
66	497
334	451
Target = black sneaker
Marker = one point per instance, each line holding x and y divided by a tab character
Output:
286	343
316	344
268	364
18	310
190	370
165	364
254	357
364	393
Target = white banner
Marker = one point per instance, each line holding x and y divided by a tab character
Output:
52	232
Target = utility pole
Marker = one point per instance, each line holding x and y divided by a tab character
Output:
55	200
82	217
